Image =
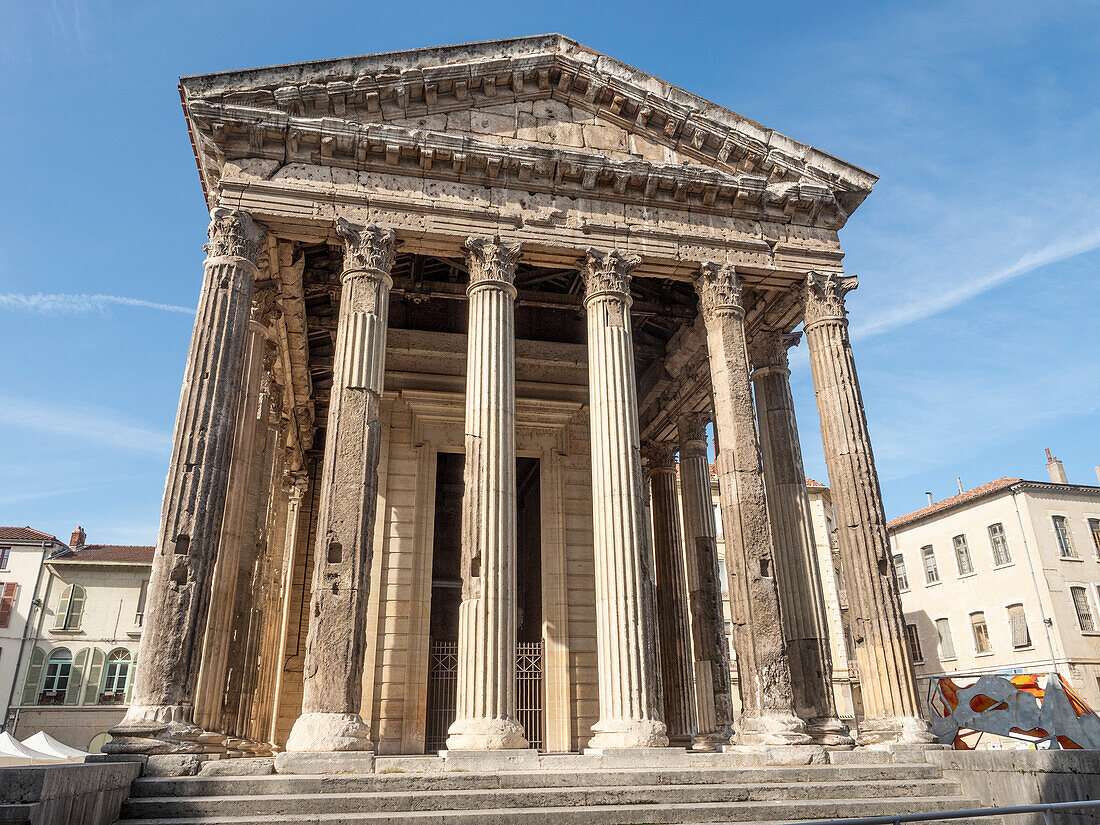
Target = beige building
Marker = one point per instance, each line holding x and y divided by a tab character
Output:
454	301
22	553
76	673
1004	578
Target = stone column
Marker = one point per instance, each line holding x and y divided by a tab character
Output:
336	641
626	636
486	709
886	674
160	716
210	688
673	623
767	700
297	482
796	566
708	626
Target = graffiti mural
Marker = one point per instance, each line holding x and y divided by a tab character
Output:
1039	709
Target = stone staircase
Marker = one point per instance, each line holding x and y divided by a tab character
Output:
707	793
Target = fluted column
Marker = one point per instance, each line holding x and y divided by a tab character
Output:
297	482
336	642
708	631
486	701
767	700
886	674
210	688
626	637
673	627
160	716
800	589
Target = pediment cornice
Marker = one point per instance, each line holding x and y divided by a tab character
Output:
362	96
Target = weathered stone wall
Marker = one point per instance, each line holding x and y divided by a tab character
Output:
1004	777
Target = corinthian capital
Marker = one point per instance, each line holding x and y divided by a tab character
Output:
768	349
233	234
824	296
607	272
367	248
660	457
719	290
490	259
691	429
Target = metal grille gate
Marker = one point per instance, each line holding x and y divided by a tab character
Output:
443	693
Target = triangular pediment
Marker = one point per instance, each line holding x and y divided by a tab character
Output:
528	94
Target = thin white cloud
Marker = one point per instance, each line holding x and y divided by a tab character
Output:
74	304
937	301
94	425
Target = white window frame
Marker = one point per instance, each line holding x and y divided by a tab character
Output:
974	634
993	547
902	577
1072	555
965	547
935	571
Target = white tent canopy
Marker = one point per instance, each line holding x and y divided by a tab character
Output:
44	743
14	752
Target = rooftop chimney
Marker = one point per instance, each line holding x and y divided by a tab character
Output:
1056	470
1098	473
78	538
931	500
959	484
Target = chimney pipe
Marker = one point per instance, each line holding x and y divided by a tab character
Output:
931	500
78	537
1097	468
959	483
1056	470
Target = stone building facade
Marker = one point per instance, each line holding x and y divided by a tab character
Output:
462	307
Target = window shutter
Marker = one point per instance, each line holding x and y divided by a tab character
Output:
130	674
63	609
34	677
7	602
1020	635
76	678
95	677
76	608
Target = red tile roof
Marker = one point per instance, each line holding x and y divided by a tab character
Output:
141	554
948	503
811	483
24	534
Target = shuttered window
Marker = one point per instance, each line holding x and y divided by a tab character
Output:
999	543
59	668
1094	531
7	602
95	676
947	644
931	570
913	638
117	678
1065	542
900	572
34	676
1084	610
962	556
1017	623
981	633
70	610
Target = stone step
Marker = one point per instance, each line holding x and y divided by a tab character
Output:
411	782
463	800
698	813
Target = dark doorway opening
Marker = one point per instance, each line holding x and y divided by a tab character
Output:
447	595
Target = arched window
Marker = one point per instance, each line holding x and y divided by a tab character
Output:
58	670
116	678
70	610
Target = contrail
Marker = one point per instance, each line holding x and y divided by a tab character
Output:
71	304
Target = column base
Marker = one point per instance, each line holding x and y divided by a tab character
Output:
491	761
162	729
896	730
830	732
486	735
628	733
328	732
713	740
771	729
315	763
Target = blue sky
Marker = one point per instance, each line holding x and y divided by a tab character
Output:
975	324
